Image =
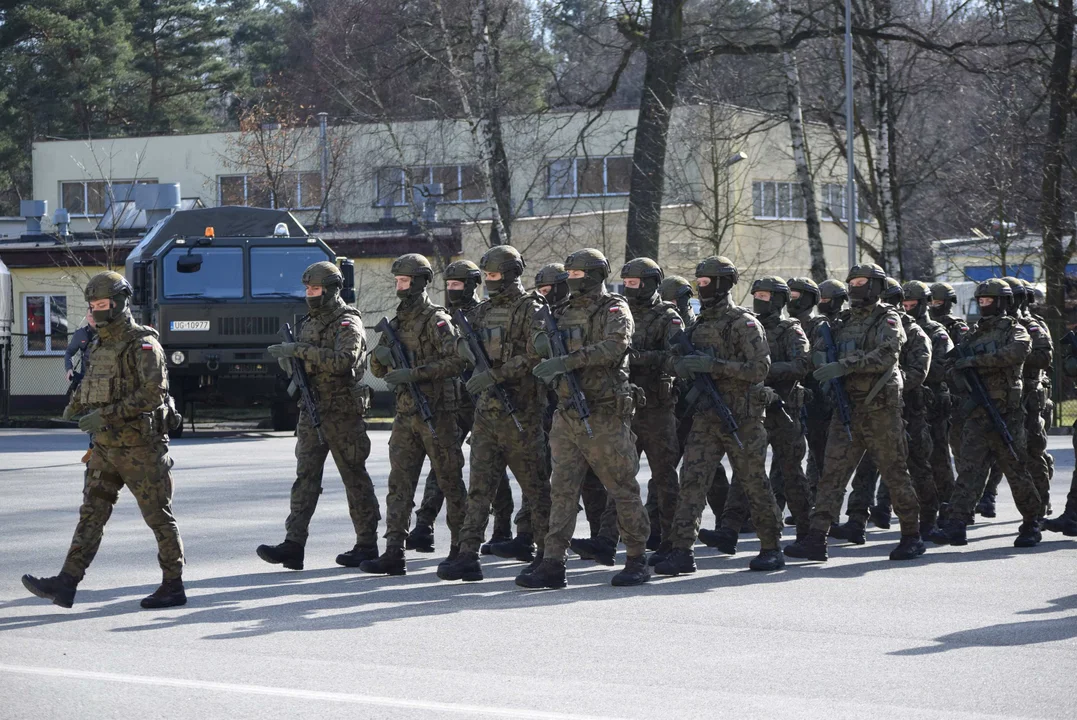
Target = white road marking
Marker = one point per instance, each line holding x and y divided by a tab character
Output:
349	698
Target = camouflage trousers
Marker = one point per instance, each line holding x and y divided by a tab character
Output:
787	442
656	436
495	444
410	443
707	443
918	462
879	432
719	489
938	421
981	445
1039	466
819	413
146	470
433	498
611	453
347	440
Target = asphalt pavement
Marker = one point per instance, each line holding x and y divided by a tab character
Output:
983	631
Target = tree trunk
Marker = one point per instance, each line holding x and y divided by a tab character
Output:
795	116
883	169
665	61
490	140
1058	89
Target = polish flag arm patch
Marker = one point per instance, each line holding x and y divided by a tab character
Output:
345	323
614	308
750	323
147	346
892	322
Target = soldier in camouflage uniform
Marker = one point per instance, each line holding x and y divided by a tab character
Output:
804	296
424	331
461	278
126	409
1066	523
331	344
731	348
1040	360
597	329
943	298
996	349
790	361
832	298
915	361
869	343
505	324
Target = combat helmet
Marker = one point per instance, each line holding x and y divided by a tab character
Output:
723	275
595	266
832	296
327	276
466	272
779	295
108	285
918	292
893	293
809	295
1002	293
555	278
650	275
418	268
1020	299
504	259
674	287
869	293
947	297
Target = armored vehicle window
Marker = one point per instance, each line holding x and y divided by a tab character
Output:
277	271
221	274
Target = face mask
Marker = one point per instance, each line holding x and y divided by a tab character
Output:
102	318
939	311
762	307
316	302
418	285
588	282
990	310
456	297
860	295
918	310
801	304
495	286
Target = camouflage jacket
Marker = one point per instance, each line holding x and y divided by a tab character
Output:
332	346
1040	358
649	357
423	329
128	383
597	328
915	358
506	324
955	327
869	341
1000	345
790	357
733	334
941	345
464	401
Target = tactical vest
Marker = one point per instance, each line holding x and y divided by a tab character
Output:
505	330
714	333
651	334
585	324
1003	383
335	389
856	333
423	344
792	391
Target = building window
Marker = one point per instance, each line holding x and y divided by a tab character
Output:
588	177
297	191
835	207
459	183
979	273
45	324
777	201
90	198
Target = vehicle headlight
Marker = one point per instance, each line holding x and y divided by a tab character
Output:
178	357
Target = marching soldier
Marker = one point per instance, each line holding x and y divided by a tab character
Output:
597	329
422	329
943	299
869	342
505	324
125	407
331	344
731	348
804	296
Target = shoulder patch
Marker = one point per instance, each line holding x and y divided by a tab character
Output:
750	323
345	323
1034	328
675	321
147	346
615	308
892	322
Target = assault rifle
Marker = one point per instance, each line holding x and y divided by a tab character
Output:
482	363
401	362
306	394
980	396
704	385
837	386
557	345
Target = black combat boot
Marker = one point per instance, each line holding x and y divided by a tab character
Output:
724	541
986	506
810	547
487	548
663	551
910	548
465	566
951	533
599	549
521	547
790	521
1066	523
60	589
534	564
679	562
767	560
390	562
880	516
169	594
708	537
421	539
635	572
549	574
288	553
356	556
1028	535
852	531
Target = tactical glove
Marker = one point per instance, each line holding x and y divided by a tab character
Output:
693	364
285	365
384	355
479	382
283	350
464	351
964	363
92	422
830	371
401	376
547	370
542	345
